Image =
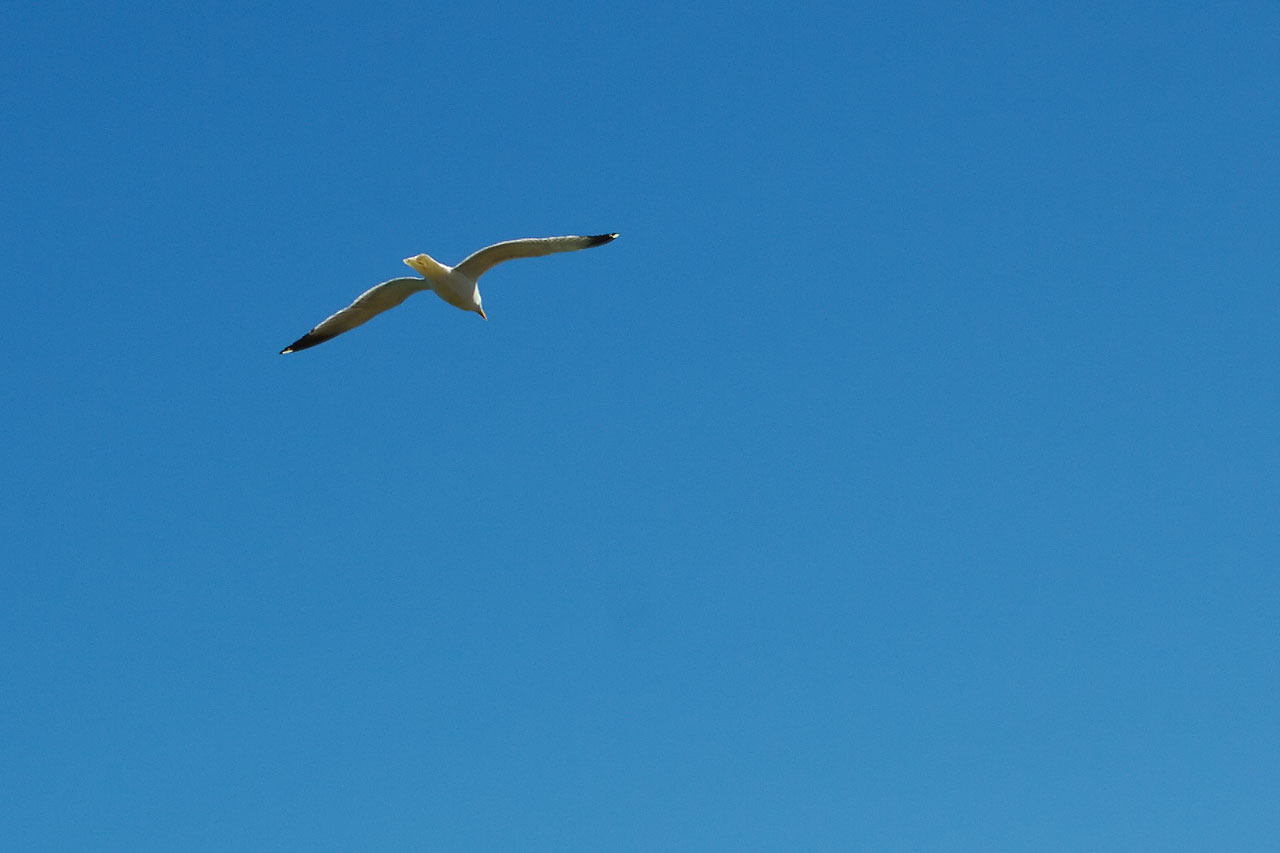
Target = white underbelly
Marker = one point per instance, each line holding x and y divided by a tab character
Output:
459	295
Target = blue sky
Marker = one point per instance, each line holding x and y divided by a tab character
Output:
904	478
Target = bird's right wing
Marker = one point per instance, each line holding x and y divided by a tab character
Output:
478	263
372	302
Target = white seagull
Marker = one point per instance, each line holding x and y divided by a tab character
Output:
455	285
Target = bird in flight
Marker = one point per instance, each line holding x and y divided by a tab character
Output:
455	285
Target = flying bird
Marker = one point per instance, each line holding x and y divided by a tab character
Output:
455	285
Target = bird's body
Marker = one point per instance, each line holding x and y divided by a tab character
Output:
455	285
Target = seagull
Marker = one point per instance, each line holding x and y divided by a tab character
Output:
455	285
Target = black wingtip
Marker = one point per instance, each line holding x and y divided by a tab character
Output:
601	239
308	340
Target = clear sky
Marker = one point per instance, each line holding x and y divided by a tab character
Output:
905	477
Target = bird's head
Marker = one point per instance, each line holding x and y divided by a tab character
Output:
419	263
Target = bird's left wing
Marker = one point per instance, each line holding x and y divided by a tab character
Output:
482	261
372	302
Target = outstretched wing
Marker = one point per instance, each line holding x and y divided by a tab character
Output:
482	261
372	302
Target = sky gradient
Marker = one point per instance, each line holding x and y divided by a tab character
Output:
904	477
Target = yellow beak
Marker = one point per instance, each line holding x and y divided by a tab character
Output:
480	311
